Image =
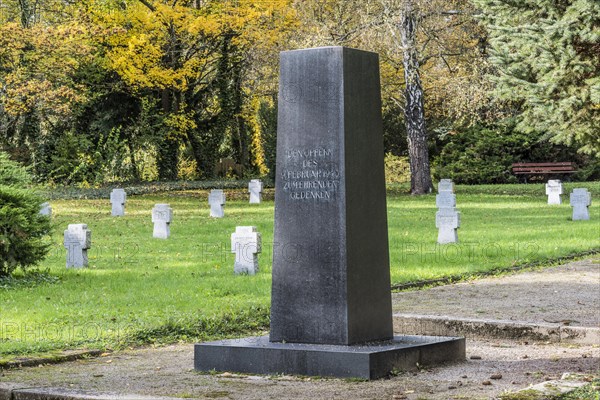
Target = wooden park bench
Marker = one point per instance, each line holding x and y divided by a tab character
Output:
544	170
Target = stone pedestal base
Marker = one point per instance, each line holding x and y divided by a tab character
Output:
256	355
554	199
447	235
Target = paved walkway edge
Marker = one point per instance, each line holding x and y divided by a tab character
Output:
12	391
57	359
413	324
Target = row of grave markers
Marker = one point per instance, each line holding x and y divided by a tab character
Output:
580	199
216	199
246	241
447	219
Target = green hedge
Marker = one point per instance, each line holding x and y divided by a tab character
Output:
23	231
484	154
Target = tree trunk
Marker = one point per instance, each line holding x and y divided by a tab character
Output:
414	112
239	131
134	167
229	80
204	142
168	150
26	13
167	159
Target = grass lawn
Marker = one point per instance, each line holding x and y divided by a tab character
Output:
140	290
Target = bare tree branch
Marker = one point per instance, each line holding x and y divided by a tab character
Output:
148	4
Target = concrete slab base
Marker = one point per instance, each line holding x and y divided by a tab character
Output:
256	355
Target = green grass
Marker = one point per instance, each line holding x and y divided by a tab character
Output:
588	392
140	290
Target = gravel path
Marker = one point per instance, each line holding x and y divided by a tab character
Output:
168	372
569	293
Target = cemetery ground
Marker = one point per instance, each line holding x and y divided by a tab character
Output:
495	367
140	290
143	291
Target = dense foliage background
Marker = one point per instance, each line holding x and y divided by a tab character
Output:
98	91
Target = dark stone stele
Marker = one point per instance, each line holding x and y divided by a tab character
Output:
331	311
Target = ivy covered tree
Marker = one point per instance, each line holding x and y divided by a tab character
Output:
547	55
94	91
192	58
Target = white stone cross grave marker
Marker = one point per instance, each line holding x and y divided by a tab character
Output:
46	209
445	200
216	199
447	220
162	216
554	189
446	185
246	243
77	241
255	188
118	197
580	200
445	197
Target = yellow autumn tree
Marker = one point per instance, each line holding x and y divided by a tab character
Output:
40	60
194	58
39	65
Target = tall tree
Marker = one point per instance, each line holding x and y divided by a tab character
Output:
193	56
422	43
547	54
414	107
39	63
